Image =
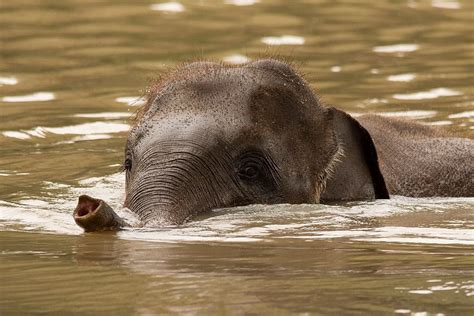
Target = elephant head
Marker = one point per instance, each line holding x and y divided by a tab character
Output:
213	136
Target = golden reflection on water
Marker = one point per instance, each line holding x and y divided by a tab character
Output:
70	74
100	273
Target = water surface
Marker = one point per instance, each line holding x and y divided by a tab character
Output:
73	72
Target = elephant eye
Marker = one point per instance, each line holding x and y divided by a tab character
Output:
256	170
127	165
249	172
251	166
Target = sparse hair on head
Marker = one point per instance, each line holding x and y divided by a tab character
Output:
184	69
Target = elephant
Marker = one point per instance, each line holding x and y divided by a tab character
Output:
213	135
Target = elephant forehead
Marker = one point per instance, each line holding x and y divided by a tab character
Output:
208	91
198	127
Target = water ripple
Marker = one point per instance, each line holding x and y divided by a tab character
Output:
79	129
131	101
241	2
15	134
466	114
426	95
283	40
398	48
236	59
401	77
446	4
89	128
8	81
410	114
34	97
172	7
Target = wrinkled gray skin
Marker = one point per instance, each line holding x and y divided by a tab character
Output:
214	136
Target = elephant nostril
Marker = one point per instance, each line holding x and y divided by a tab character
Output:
82	212
86	206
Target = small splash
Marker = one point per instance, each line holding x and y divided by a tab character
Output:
466	114
34	97
52	212
104	115
37	132
38	217
241	2
283	40
172	7
410	114
253	223
9	81
236	59
398	48
426	95
401	77
131	101
444	4
336	68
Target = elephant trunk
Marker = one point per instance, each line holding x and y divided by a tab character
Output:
96	215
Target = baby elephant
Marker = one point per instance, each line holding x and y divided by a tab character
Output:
213	136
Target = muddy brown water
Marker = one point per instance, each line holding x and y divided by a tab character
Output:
71	73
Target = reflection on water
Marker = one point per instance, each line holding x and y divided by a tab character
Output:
427	95
236	59
100	273
34	97
398	48
172	7
8	81
87	129
132	101
241	2
446	4
283	40
401	77
462	114
71	76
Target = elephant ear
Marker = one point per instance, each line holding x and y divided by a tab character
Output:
357	175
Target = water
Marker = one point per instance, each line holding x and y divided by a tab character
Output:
72	73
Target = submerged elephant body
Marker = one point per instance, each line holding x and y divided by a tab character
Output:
213	136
